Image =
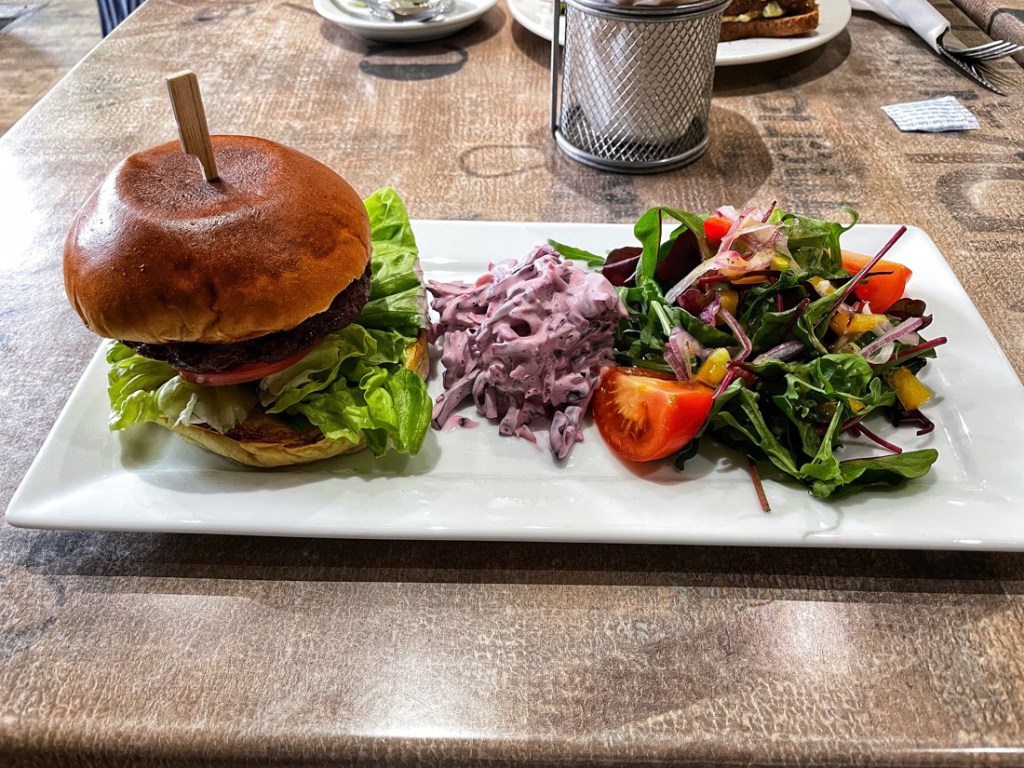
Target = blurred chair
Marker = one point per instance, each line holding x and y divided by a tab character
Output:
113	12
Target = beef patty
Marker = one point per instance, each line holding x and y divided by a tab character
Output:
199	357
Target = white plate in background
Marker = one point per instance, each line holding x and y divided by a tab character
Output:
834	15
472	484
355	17
535	15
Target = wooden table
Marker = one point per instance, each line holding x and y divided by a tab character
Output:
138	649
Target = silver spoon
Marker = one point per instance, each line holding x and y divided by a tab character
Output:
399	12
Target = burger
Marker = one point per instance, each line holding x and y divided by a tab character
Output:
768	18
270	315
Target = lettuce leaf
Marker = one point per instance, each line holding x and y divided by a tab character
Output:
814	243
398	298
385	407
321	367
143	390
354	383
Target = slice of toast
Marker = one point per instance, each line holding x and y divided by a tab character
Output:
743	26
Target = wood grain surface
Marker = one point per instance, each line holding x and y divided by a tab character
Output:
39	43
150	649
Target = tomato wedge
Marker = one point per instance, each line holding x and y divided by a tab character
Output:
716	227
880	290
645	415
241	374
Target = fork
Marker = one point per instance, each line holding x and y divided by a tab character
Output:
971	61
996	49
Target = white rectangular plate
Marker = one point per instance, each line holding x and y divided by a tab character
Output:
473	484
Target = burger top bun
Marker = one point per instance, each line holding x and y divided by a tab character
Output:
158	254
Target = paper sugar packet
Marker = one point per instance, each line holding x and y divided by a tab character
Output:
932	116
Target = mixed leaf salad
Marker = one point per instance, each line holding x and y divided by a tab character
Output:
756	329
352	383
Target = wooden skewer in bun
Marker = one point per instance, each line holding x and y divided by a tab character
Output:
187	103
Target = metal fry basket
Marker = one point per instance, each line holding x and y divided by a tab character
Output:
631	87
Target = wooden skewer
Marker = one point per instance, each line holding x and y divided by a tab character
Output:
187	104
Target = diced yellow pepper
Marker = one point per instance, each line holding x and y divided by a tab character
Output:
730	299
749	280
854	323
713	369
822	286
911	392
838	322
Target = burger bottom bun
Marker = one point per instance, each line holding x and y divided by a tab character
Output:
263	440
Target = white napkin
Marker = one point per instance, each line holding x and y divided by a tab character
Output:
919	15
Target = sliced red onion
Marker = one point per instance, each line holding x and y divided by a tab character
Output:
710	312
728	262
676	290
681	347
783	351
890	337
737	330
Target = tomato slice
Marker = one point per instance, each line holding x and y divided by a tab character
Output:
880	290
241	374
644	415
716	227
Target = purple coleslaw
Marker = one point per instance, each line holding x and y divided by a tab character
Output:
526	342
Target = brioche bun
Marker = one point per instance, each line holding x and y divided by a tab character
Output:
263	440
158	254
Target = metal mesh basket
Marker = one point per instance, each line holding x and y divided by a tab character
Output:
635	87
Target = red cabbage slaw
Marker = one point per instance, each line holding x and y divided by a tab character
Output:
526	342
